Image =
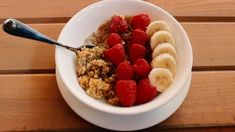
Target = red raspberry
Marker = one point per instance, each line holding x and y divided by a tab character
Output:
136	51
113	39
116	54
118	25
126	92
141	68
145	91
124	71
138	36
140	21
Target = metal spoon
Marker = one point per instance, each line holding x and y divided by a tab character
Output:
17	28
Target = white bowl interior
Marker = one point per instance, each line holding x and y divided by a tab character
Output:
88	20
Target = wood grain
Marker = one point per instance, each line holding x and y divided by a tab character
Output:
53	9
213	46
42	8
33	102
201	129
210	101
205	8
213	43
20	54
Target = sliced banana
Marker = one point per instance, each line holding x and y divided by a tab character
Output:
164	48
161	78
164	60
161	37
157	26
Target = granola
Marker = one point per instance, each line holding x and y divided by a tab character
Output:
96	75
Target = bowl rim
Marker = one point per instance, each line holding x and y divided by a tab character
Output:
134	109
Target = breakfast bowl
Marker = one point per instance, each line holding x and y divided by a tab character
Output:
97	112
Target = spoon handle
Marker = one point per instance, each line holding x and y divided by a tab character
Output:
17	28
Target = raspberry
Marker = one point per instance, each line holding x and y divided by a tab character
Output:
113	39
118	25
138	36
126	92
140	21
136	51
116	54
145	91
141	68
124	71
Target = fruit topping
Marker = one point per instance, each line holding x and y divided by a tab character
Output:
140	21
156	26
161	78
138	36
141	68
126	92
164	48
136	51
113	39
124	71
118	25
164	60
116	54
145	91
161	37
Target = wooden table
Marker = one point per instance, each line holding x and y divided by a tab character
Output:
29	96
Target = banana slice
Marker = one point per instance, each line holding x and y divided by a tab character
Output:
161	37
161	78
164	60
157	26
164	48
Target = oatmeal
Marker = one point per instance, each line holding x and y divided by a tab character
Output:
96	75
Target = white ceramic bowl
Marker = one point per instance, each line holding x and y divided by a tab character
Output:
81	25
